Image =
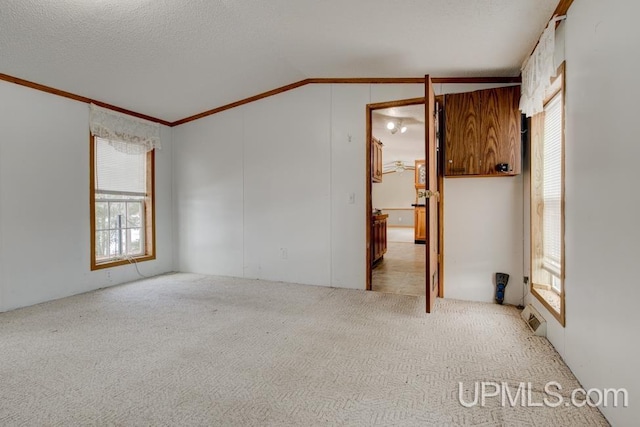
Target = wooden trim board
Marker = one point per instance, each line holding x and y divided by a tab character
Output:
368	204
281	89
440	166
69	95
562	8
241	102
355	80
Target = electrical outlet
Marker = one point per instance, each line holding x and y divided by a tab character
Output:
525	279
284	254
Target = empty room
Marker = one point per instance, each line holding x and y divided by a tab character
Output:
319	213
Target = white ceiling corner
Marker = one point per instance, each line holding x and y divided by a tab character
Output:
171	59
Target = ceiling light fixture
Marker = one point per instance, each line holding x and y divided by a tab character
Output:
396	125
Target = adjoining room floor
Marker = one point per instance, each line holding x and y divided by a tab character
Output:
402	270
187	349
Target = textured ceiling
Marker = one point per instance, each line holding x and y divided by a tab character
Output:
174	58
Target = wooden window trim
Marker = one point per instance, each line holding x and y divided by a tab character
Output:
537	126
150	214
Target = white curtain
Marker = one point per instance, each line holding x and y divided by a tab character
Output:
125	133
537	72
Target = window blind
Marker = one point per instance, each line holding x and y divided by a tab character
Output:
117	172
552	186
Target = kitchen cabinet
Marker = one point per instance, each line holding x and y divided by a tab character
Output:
378	237
376	160
482	133
420	227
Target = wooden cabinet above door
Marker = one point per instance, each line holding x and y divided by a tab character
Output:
482	133
462	133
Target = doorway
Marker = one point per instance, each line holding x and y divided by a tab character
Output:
398	138
430	193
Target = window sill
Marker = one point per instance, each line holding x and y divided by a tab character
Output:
109	264
551	300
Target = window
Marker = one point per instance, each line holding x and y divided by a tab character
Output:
122	203
547	200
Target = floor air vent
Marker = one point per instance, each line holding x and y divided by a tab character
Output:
536	322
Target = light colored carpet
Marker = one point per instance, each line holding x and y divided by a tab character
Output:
198	350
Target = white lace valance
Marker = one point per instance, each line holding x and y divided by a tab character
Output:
125	133
537	72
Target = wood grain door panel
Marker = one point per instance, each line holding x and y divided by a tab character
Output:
462	123
500	130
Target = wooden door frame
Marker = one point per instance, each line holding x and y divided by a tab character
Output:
441	165
368	202
432	203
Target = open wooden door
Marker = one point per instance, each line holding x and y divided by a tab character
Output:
433	196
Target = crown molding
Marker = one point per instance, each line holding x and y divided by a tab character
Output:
69	95
348	80
281	89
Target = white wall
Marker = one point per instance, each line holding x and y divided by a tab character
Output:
287	181
44	201
601	204
397	190
400	217
348	162
208	188
483	236
277	173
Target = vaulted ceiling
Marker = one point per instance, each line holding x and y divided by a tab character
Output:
173	58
